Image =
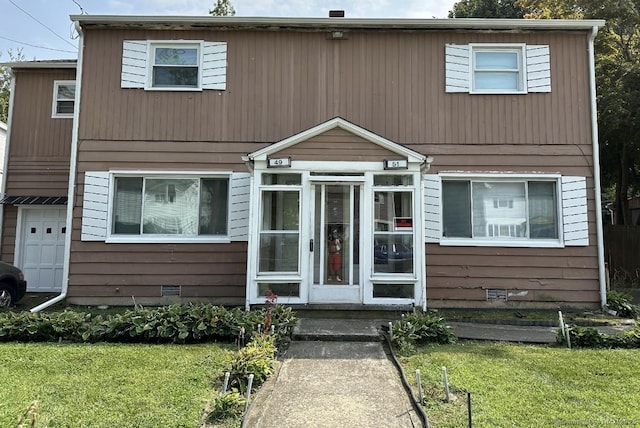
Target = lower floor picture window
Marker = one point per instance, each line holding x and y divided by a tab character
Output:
170	206
499	209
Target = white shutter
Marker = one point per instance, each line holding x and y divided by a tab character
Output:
240	192
94	206
457	68
134	64
538	68
574	211
214	65
432	186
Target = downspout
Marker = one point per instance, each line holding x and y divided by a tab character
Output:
596	169
7	141
72	179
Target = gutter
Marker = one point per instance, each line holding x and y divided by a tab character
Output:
596	169
72	181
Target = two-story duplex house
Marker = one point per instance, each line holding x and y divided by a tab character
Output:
337	161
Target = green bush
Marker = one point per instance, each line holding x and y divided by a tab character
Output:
621	303
589	337
256	358
419	328
229	405
178	323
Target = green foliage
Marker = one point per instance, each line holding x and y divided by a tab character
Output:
256	358
226	406
419	328
487	9
621	303
179	323
5	83
588	337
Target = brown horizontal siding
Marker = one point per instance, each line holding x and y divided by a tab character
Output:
134	291
392	83
9	224
37	177
480	294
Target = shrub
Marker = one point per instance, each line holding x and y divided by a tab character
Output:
178	323
589	337
256	358
229	405
621	303
420	328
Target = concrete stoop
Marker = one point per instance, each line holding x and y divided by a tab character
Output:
338	329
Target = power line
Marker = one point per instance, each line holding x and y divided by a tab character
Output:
41	23
82	11
36	46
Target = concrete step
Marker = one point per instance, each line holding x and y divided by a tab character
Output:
339	329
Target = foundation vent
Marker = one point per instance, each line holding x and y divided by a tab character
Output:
170	290
493	294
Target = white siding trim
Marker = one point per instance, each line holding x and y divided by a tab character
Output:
432	186
574	211
134	64
239	201
214	65
457	72
538	68
95	206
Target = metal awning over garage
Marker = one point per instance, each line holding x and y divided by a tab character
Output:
34	200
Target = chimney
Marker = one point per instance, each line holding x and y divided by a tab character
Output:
336	14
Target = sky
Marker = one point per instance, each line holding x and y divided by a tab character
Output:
43	30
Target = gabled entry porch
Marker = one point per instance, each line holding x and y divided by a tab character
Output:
336	218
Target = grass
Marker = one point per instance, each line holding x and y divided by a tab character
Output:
526	386
109	385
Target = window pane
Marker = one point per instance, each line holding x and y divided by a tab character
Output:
66	92
171	206
282	179
499	210
390	206
456	209
280	210
496	80
393	291
213	206
175	76
496	60
542	210
290	289
176	56
278	252
127	206
393	253
64	107
392	180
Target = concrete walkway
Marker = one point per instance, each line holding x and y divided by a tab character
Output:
336	373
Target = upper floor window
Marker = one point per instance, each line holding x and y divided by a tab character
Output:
497	70
64	96
175	66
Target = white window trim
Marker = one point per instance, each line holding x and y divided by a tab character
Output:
164	239
54	104
520	48
508	177
152	44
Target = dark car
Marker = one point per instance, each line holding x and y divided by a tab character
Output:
12	285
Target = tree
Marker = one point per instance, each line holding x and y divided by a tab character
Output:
5	83
618	88
487	9
223	8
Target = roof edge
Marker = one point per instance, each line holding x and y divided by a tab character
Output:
355	23
40	64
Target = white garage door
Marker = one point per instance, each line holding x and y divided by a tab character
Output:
42	247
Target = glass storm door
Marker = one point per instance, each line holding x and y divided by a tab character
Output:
335	244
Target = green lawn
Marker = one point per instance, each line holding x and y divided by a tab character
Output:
530	386
109	385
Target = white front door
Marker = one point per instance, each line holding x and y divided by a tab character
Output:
41	247
335	274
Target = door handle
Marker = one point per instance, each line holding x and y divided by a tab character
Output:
311	245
